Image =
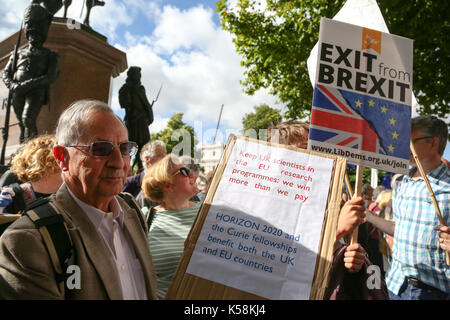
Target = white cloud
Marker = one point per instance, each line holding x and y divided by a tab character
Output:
11	17
159	123
194	58
199	66
188	29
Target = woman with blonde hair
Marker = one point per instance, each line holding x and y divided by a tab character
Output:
36	167
170	183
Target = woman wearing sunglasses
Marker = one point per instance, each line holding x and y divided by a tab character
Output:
171	184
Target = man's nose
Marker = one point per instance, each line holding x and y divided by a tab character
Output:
116	158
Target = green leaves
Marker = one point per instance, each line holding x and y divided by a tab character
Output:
262	118
275	38
178	136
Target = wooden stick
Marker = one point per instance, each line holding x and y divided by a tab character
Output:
430	190
358	187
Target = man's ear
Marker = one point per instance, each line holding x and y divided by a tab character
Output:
62	157
435	144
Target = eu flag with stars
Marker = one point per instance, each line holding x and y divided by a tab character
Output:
360	121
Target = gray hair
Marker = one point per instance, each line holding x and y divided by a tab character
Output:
72	121
149	149
432	126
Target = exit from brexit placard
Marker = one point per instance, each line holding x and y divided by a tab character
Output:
362	97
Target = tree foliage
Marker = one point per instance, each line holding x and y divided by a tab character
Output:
178	136
261	118
276	41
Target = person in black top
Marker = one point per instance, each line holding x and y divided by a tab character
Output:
151	152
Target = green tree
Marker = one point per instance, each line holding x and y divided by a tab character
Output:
261	118
179	137
275	43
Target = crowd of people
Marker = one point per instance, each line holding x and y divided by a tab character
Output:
131	250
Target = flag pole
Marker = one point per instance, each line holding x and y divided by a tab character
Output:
358	187
430	190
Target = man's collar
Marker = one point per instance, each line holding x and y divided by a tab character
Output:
95	215
436	173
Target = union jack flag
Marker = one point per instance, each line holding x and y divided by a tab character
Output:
361	122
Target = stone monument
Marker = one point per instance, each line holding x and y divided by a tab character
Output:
86	63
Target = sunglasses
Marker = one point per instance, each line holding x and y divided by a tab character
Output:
184	171
105	148
421	138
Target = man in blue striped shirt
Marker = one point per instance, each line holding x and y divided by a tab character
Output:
419	270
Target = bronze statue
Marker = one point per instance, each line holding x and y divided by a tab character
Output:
36	68
67	4
138	110
89	5
51	5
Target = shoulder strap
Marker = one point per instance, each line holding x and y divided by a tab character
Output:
48	220
133	204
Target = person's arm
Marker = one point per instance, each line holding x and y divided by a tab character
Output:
8	74
26	270
351	216
383	225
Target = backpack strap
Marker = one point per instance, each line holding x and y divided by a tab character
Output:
48	219
131	201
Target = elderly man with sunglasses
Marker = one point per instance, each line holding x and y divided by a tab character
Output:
110	243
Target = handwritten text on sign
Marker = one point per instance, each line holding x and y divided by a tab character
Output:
263	229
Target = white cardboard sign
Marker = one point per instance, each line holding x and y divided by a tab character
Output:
263	230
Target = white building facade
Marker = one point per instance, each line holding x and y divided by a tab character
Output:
211	154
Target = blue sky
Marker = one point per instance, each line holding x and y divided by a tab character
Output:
176	42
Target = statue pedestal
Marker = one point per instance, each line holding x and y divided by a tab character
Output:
86	64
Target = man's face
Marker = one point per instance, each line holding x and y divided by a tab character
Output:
98	179
424	146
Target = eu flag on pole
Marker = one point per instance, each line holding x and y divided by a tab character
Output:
362	122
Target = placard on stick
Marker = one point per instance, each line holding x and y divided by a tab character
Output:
362	96
267	227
